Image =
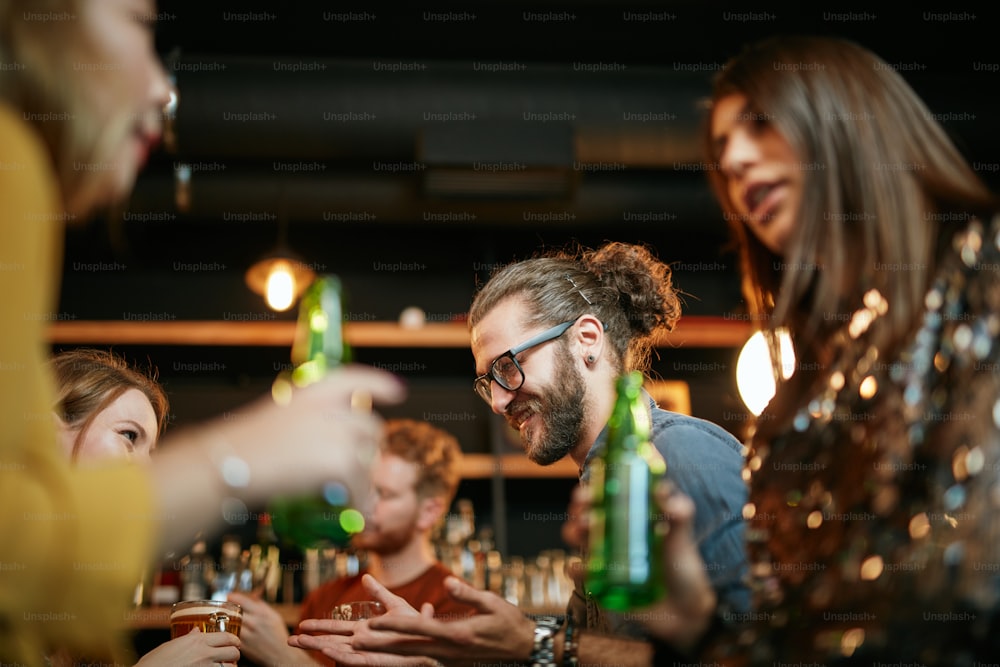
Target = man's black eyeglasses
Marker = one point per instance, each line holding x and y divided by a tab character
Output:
505	369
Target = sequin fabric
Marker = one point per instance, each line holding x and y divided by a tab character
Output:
874	516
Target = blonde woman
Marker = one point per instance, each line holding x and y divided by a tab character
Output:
105	410
81	99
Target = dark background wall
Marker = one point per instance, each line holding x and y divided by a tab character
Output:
354	130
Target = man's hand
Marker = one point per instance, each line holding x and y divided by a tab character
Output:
265	634
498	630
686	612
402	637
338	637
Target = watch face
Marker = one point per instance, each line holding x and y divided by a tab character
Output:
549	621
542	654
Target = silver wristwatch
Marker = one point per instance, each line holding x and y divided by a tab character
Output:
542	653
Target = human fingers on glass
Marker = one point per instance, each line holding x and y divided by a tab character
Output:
506	371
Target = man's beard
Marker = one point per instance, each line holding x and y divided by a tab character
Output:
561	413
383	543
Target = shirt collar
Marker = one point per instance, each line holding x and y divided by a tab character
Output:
598	447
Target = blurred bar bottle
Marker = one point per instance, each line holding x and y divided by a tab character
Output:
325	518
267	569
166	588
624	568
197	572
227	577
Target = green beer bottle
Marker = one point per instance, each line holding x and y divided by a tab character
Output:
624	566
325	518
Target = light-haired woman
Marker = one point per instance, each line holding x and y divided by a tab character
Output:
107	409
82	93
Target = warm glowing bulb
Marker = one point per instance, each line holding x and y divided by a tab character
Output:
280	287
754	374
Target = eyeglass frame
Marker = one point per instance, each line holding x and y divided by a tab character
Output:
487	379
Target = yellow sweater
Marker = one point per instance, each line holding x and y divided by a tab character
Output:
73	542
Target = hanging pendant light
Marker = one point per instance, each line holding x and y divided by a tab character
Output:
280	276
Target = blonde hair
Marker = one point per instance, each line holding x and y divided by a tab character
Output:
43	82
88	380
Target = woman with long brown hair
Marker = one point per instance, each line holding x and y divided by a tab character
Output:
866	237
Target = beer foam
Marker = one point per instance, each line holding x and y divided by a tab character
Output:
205	610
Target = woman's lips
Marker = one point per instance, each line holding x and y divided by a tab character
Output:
146	144
763	200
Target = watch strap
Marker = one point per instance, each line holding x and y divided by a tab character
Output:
543	651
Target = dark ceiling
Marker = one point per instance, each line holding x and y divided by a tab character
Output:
351	130
584	30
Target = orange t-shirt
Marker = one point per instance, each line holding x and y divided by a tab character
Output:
428	587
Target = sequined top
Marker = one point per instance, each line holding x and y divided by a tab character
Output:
875	530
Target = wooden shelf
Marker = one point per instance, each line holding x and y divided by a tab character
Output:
484	466
265	334
693	331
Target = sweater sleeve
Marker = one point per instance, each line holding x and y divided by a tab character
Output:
73	542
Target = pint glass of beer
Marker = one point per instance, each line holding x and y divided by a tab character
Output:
206	615
357	611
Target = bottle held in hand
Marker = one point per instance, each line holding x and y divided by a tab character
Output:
624	568
319	343
326	518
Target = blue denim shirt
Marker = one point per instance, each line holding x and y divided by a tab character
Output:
705	462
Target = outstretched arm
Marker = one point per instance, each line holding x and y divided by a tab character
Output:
265	449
